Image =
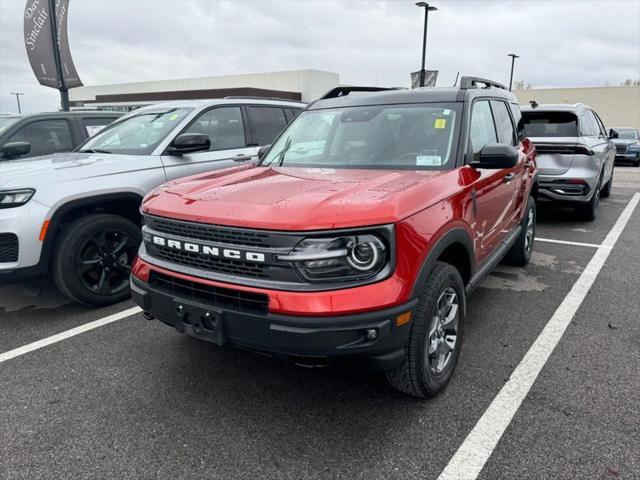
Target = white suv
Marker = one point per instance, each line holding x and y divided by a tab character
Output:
76	215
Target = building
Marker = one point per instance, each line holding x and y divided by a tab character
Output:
303	85
616	106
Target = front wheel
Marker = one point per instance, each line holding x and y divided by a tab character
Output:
436	335
92	259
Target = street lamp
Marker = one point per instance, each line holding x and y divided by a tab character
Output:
427	8
17	94
513	60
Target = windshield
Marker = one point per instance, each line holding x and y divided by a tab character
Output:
550	124
373	137
6	122
627	133
136	135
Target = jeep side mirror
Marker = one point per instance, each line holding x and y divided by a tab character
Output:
496	156
264	149
613	133
189	143
15	149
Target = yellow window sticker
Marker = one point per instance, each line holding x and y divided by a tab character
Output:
173	117
441	123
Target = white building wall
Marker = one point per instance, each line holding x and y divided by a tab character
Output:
616	106
310	83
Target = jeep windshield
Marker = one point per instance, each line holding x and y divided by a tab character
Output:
139	134
411	136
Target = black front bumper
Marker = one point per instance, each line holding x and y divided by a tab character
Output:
307	341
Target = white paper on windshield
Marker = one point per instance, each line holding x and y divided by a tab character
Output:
92	129
428	160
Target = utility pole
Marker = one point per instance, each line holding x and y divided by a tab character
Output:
17	94
513	61
427	8
64	92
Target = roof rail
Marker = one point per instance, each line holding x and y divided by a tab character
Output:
472	82
257	97
346	90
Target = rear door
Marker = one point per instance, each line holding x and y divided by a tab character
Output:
609	151
595	140
227	128
493	189
267	121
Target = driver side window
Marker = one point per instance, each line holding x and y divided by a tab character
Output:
224	127
482	130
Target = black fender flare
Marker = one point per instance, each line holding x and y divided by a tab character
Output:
455	235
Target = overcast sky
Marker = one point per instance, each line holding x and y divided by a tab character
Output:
562	43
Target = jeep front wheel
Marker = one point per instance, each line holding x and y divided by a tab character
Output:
436	335
92	259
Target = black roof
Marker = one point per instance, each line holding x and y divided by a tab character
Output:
416	95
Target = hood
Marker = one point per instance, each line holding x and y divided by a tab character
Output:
60	167
287	198
625	141
554	154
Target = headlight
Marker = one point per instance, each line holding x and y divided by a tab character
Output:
15	198
634	146
344	258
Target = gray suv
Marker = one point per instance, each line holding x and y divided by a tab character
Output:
76	215
575	155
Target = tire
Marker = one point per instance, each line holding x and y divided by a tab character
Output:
520	252
588	211
421	374
92	259
606	191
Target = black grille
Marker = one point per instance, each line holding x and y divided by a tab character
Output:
210	233
208	263
237	300
621	148
8	247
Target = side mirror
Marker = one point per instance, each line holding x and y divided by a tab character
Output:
613	133
264	149
15	149
496	156
189	143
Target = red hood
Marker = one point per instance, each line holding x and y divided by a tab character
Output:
300	198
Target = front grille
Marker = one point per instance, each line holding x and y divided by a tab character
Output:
210	233
8	247
207	263
226	298
621	148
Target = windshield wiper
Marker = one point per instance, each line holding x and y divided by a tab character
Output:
283	152
94	150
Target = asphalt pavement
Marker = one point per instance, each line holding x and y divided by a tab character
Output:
135	399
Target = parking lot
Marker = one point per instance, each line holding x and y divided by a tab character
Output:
133	399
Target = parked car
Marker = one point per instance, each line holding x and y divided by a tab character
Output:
23	136
575	155
627	145
76	215
358	236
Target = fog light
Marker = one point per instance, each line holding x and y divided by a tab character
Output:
371	333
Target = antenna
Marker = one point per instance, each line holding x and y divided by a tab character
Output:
457	76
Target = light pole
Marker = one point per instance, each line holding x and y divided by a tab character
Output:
513	61
427	8
17	94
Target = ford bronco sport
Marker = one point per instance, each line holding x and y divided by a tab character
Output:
357	237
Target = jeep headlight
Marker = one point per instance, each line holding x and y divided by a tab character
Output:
340	258
15	198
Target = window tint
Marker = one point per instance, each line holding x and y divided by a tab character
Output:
506	133
589	127
94	125
268	122
45	137
482	129
224	127
550	124
517	119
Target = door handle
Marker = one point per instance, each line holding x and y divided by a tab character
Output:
508	177
242	158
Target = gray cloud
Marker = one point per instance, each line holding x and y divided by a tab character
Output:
562	43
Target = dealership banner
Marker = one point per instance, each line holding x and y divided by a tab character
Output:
40	40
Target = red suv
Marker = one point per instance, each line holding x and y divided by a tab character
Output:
357	236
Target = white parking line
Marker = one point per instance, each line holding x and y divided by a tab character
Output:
567	242
16	352
468	461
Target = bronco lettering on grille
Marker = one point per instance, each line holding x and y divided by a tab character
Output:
209	250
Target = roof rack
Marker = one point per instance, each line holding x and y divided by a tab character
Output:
472	82
346	90
257	97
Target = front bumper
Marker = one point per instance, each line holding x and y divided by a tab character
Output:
306	340
631	157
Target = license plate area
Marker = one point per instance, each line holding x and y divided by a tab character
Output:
200	320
